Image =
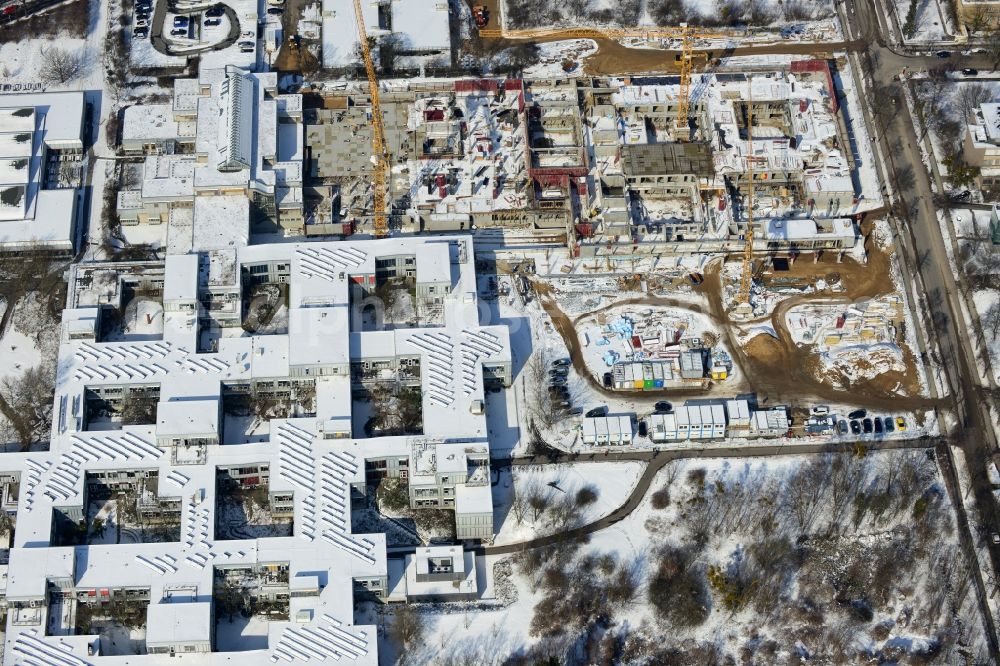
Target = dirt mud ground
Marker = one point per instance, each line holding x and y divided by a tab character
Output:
776	369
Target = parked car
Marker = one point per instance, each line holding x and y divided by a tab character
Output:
249	34
900	423
866	426
561	362
842	427
608	380
179	32
943	54
597	411
995	539
141	33
663	407
855	427
181	21
642	429
209	22
141	23
246	47
969	71
216	11
889	425
576	411
275	11
695	278
820	410
858	414
877	422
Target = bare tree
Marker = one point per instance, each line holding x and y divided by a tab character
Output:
970	97
28	403
60	65
407	628
991	320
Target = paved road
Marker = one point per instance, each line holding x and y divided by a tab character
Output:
166	48
919	235
656	460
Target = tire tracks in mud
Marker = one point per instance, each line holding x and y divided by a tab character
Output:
784	375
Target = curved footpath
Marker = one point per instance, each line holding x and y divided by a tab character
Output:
657	460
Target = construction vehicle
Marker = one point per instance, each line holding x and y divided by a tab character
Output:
380	156
685	61
481	15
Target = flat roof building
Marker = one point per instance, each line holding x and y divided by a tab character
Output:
41	169
187	455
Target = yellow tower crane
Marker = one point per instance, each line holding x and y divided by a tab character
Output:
379	152
684	32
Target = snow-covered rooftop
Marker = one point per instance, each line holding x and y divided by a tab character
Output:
316	459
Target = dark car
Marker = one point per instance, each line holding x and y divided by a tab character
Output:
215	11
212	21
855	427
889	425
607	380
866	426
561	362
179	32
141	33
557	381
559	372
181	21
695	278
663	407
576	411
597	411
877	422
943	54
969	71
275	11
643	429
858	414
842	427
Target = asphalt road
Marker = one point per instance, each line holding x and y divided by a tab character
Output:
164	47
919	235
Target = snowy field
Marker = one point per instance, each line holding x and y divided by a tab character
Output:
823	559
981	264
539	500
930	23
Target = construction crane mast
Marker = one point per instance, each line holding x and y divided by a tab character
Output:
687	65
379	153
684	32
746	277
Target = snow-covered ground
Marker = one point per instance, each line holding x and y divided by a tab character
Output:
839	558
930	24
543	499
241	633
